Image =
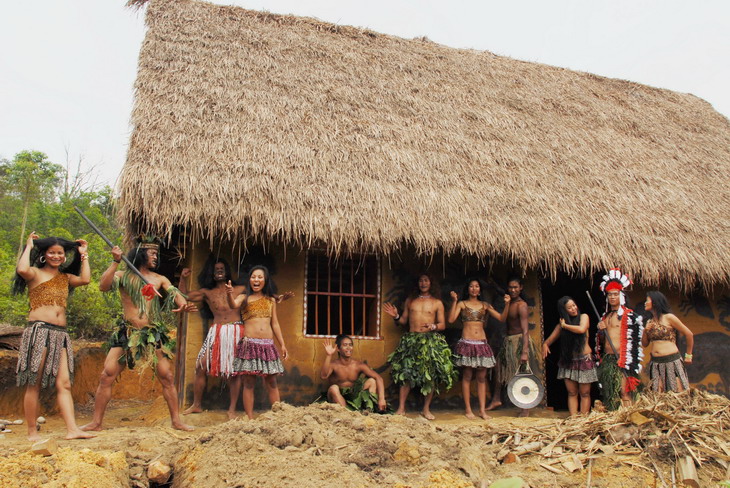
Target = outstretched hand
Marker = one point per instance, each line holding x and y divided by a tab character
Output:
285	296
187	308
329	347
545	350
390	309
229	287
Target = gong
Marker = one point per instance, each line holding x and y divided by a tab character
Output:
525	390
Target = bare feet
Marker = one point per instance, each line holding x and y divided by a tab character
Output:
483	414
493	405
79	434
34	437
231	414
426	414
470	415
524	413
95	426
400	411
180	426
193	409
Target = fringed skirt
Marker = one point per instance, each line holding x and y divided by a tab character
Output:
473	354
610	376
581	370
218	353
508	359
664	371
38	336
257	357
423	361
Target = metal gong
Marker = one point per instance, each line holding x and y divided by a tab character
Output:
525	390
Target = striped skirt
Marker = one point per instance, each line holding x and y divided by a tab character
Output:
581	370
665	371
218	352
257	357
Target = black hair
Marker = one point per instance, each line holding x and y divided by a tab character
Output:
269	290
340	338
434	290
206	278
659	304
40	246
465	290
571	344
138	256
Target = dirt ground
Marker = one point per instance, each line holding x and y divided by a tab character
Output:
315	446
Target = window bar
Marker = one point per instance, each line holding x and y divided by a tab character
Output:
352	299
329	299
316	297
340	298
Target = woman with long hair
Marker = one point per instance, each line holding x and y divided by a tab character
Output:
576	365
46	355
256	354
666	368
472	352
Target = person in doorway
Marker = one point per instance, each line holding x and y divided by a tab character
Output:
576	366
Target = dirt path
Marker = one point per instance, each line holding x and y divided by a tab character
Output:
314	446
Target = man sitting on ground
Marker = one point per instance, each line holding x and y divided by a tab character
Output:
348	386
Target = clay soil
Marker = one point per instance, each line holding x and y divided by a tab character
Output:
314	446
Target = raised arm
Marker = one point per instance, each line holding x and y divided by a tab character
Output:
234	302
455	308
107	278
391	310
502	317
24	269
684	330
180	301
327	368
84	278
277	331
581	328
379	385
193	296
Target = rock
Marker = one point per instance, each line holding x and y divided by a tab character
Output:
41	420
46	447
148	445
510	458
472	462
18	422
6	431
407	452
158	472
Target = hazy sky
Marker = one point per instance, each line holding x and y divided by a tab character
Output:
67	68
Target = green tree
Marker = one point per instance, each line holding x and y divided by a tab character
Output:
30	175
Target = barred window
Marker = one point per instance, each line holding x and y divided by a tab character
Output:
342	296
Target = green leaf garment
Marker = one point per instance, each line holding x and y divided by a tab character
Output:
423	361
140	344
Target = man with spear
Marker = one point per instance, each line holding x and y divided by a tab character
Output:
142	332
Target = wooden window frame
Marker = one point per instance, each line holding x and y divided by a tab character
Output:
329	295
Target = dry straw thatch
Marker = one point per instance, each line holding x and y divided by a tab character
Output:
254	125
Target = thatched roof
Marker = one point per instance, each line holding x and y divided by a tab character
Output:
249	124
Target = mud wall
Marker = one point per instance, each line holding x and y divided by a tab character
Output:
89	361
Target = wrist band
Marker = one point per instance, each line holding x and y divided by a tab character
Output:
397	317
117	261
687	356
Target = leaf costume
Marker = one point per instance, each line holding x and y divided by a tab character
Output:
423	361
141	344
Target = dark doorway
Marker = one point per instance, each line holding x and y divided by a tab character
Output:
575	287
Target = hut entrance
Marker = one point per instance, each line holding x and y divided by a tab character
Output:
575	287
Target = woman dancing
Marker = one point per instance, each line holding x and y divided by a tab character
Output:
666	366
46	355
472	352
256	354
576	366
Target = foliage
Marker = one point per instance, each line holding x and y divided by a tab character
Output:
423	360
37	190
